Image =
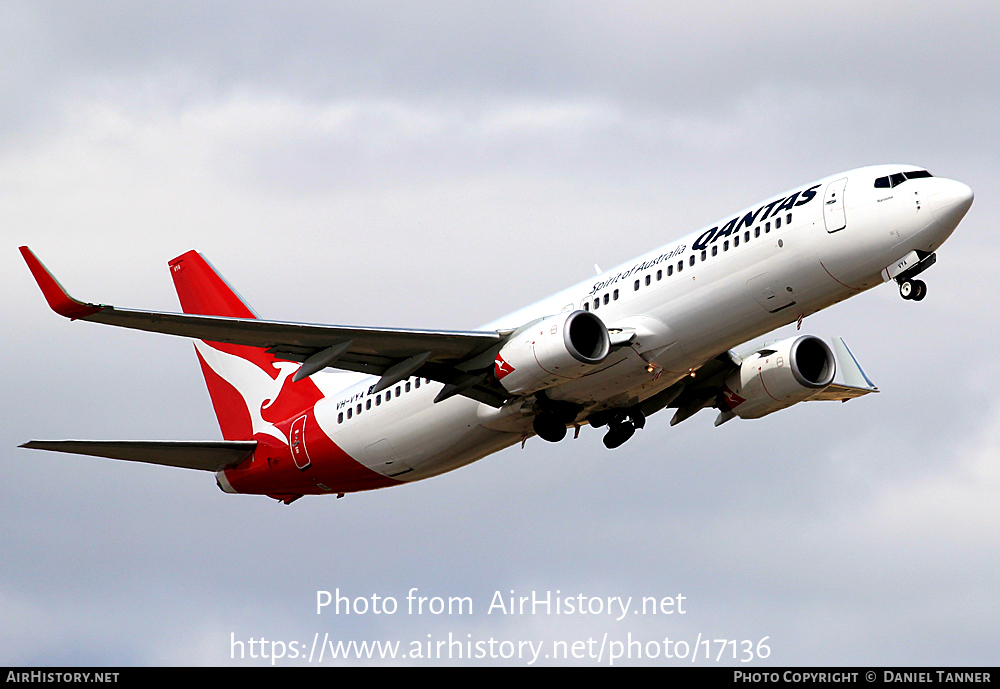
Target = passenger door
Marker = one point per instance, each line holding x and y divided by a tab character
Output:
833	206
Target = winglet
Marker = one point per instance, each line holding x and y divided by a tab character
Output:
854	375
58	299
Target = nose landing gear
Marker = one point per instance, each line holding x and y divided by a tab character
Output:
912	289
905	271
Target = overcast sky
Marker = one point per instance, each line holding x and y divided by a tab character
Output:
438	164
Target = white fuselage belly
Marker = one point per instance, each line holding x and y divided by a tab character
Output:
680	320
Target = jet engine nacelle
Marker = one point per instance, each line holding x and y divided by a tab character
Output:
552	350
778	376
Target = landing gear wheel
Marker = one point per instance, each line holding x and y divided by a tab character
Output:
618	434
549	427
913	289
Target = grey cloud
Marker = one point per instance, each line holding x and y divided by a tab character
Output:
642	53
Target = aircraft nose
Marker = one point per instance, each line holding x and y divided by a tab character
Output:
950	202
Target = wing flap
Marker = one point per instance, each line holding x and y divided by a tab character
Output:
205	455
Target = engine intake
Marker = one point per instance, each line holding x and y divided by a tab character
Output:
552	350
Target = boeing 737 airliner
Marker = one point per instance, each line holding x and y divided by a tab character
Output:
662	330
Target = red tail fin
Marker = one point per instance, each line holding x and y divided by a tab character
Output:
203	291
251	390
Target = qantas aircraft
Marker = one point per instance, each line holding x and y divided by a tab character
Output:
662	330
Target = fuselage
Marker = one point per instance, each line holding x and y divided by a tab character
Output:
687	301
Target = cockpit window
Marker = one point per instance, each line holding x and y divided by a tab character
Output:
898	178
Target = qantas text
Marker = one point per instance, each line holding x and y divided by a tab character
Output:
738	223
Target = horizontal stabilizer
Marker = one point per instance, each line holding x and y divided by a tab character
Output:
207	455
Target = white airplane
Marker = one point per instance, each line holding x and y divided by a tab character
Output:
657	331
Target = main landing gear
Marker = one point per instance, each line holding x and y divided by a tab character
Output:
912	289
622	424
551	421
550	424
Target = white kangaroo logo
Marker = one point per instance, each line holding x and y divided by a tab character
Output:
258	390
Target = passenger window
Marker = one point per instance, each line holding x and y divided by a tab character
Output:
788	219
659	275
586	306
348	412
378	400
767	227
388	395
340	417
648	280
368	404
704	254
777	223
691	260
416	383
636	285
397	391
359	408
746	236
725	245
736	241
670	270
680	266
597	303
606	299
756	231
715	250
616	295
407	386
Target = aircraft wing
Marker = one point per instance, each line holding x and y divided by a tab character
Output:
704	388
460	359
